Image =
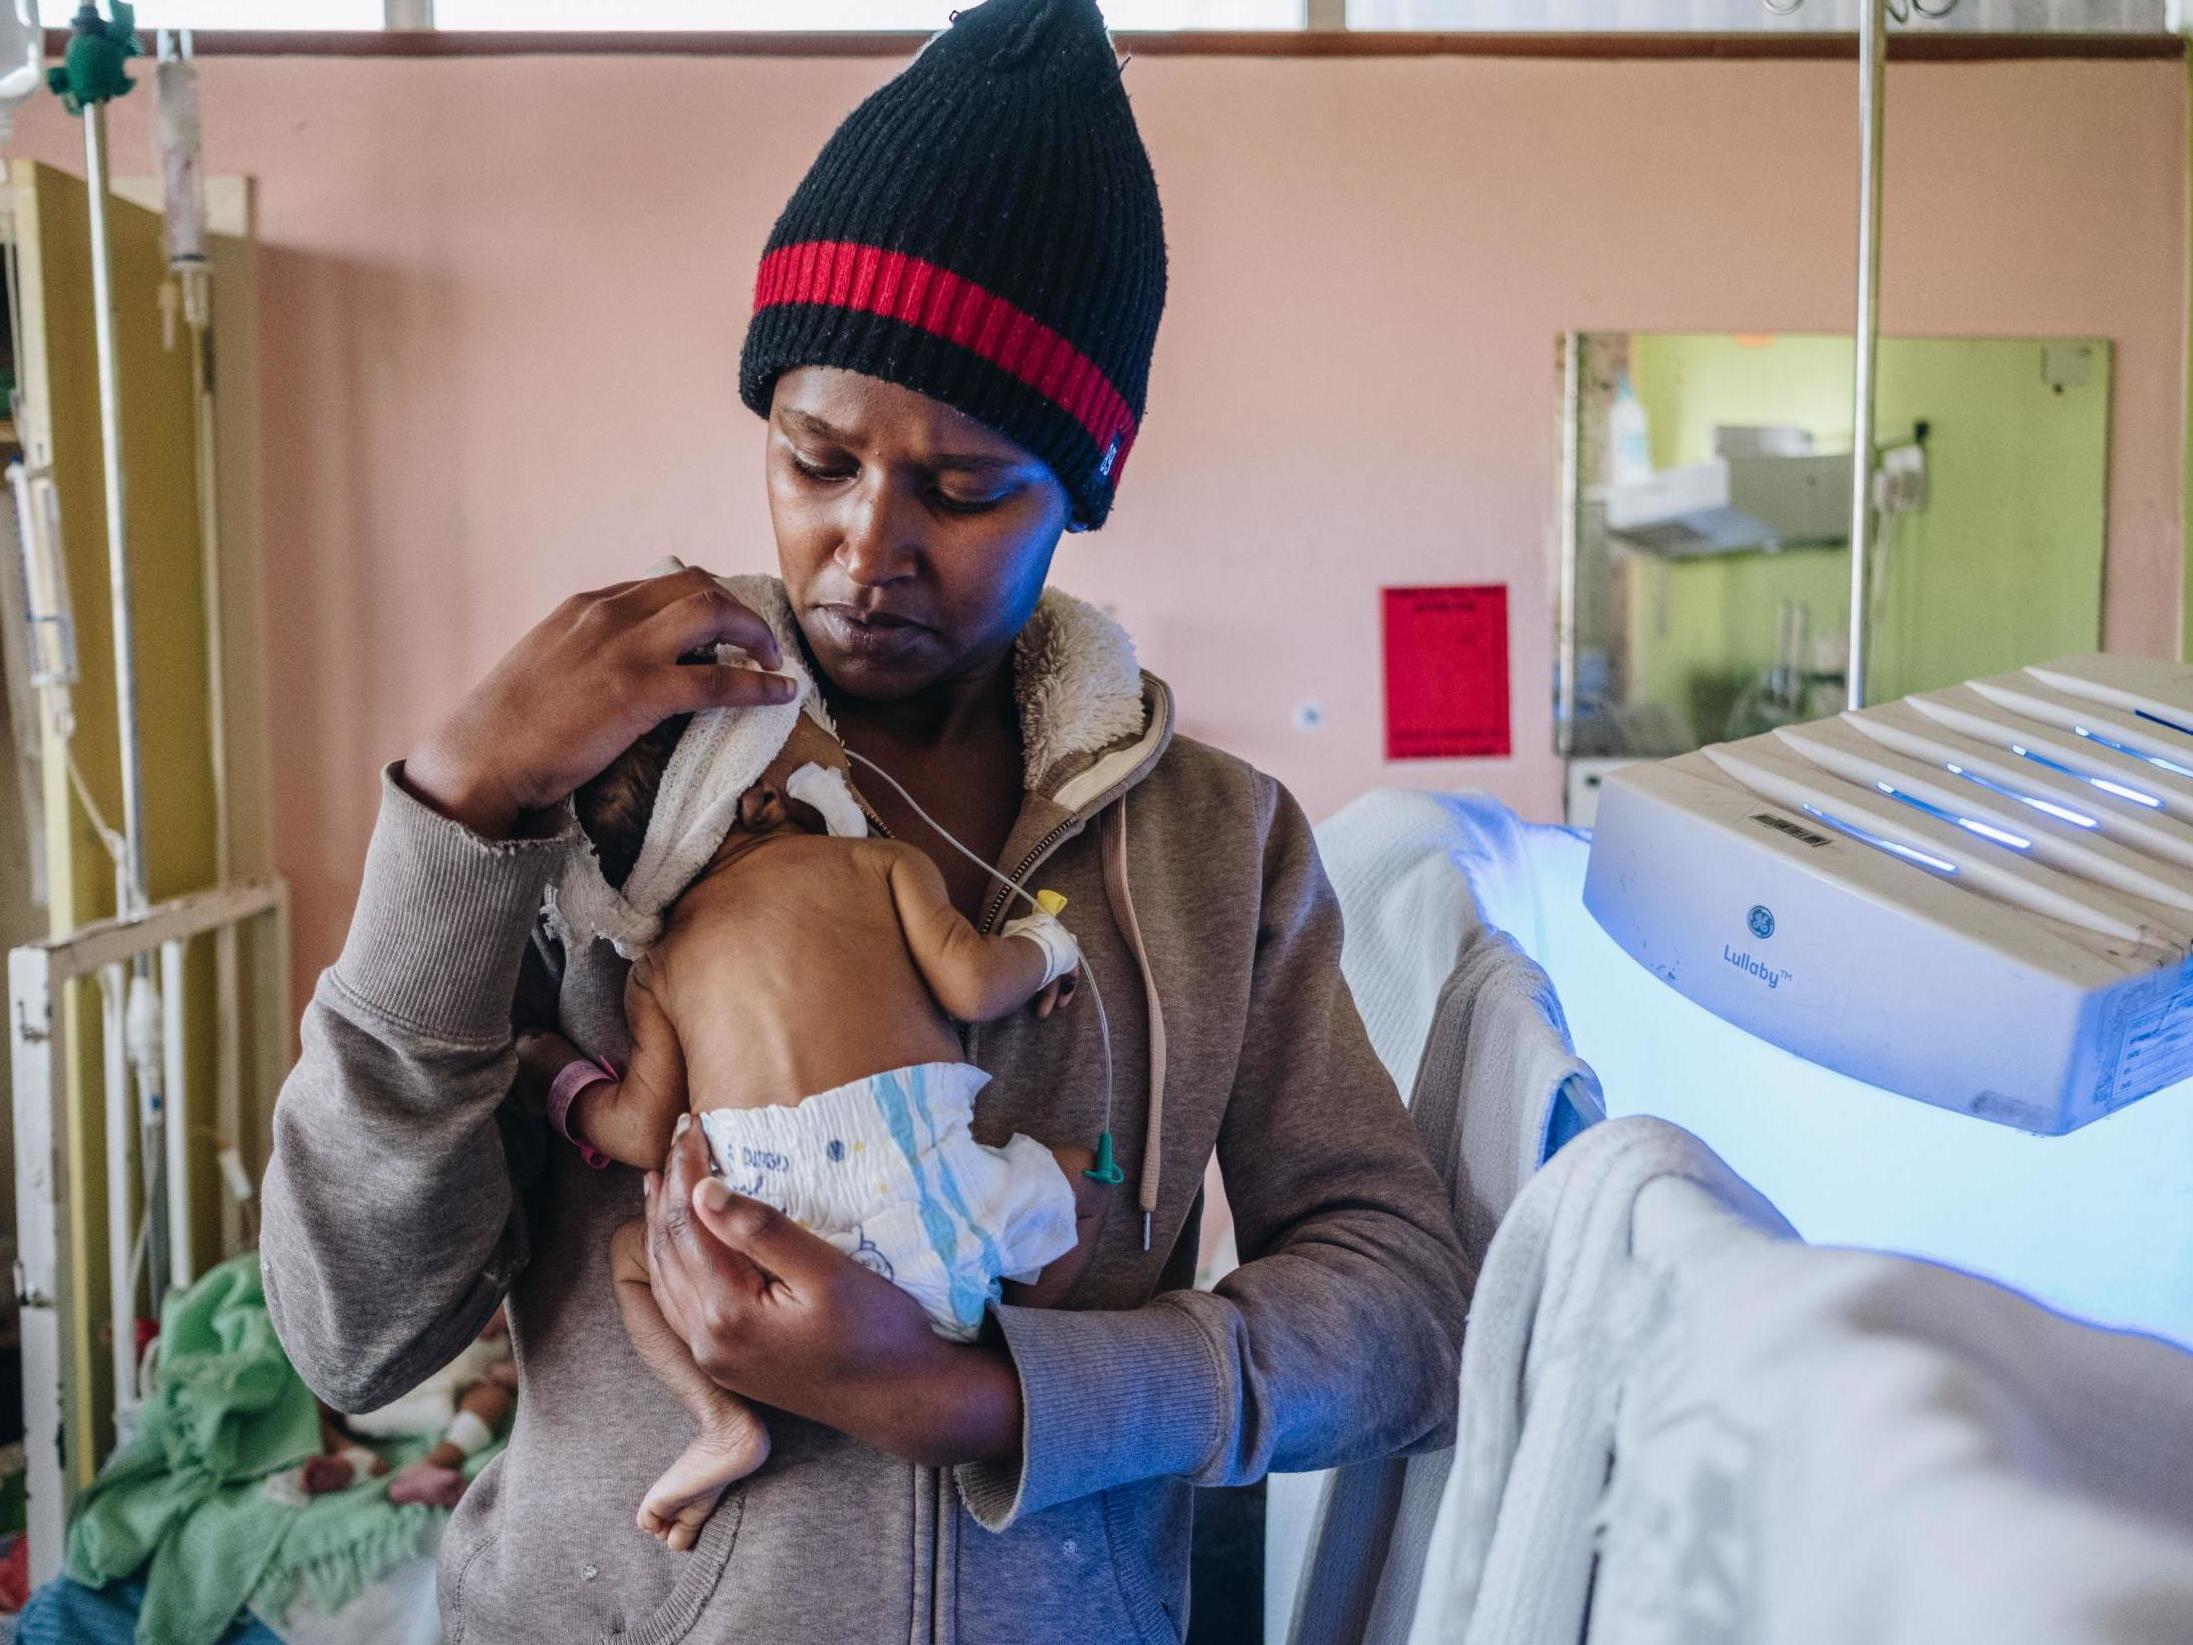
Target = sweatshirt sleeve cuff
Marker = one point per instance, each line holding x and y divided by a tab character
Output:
442	920
1106	1399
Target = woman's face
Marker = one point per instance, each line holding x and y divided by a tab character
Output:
914	541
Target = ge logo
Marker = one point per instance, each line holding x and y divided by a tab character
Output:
1761	921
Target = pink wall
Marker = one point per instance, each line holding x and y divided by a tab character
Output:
502	300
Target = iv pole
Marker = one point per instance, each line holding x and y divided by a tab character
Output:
1865	337
131	887
1866	332
132	878
92	74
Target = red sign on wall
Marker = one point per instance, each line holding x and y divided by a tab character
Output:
1446	672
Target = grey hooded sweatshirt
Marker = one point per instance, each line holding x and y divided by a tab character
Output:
406	1198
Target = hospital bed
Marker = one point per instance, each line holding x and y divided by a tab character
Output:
246	928
399	1609
2078	1222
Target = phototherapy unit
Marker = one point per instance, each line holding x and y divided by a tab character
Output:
1921	972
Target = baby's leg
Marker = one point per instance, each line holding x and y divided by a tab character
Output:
341	1462
437	1478
732	1442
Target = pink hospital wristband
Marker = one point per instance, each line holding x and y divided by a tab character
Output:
575	1076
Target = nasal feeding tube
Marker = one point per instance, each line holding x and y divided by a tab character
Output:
1106	1170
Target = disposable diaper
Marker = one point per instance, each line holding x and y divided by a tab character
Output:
886	1170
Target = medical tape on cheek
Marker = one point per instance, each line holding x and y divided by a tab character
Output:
828	793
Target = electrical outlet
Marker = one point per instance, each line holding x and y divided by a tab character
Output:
1900	484
2067	365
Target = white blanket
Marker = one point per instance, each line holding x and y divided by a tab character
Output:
1418	874
720	755
1826	1447
1706	1433
1496	1070
1559	1311
1471	1028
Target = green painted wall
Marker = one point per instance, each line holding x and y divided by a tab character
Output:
2003	566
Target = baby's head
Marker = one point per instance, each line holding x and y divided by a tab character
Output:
770	806
614	809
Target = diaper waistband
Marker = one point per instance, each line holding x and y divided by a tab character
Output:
939	1096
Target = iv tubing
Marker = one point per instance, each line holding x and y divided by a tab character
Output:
1104	1022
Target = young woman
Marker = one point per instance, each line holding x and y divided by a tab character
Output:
951	343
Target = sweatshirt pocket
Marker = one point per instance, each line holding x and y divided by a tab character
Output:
471	1532
1140	1529
700	1569
1058	1575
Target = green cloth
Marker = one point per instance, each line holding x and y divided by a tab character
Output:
185	1503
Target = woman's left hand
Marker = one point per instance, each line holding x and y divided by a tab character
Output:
775	1313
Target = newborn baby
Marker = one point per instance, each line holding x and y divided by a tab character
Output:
798	999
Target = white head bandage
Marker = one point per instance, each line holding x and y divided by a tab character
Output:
722	753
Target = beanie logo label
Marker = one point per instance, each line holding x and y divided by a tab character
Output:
1111	456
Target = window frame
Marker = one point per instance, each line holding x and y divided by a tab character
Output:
407	30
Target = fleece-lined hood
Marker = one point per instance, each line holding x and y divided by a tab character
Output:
1082	694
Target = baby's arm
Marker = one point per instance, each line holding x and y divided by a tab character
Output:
630	1119
975	978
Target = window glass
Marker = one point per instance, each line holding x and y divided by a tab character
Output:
1733	16
243	14
922	15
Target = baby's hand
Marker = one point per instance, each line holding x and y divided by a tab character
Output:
1061	953
1061	957
541	1056
1057	994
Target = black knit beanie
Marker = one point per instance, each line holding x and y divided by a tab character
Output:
984	230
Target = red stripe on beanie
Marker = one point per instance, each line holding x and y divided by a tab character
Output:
871	280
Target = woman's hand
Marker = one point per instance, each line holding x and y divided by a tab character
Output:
775	1313
586	684
1052	1287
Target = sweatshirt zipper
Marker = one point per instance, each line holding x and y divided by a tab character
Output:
970	1034
1080	814
1028	864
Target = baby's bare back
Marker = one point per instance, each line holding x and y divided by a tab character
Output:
787	971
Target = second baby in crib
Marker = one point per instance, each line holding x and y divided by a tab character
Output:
795	992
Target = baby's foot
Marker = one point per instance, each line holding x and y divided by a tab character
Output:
423	1482
727	1448
320	1475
